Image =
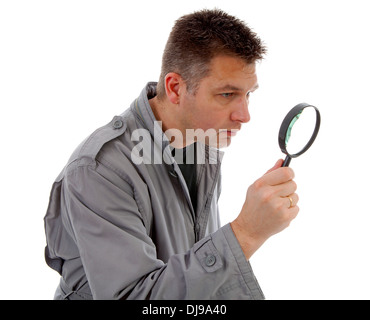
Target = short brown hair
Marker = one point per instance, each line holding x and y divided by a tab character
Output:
198	37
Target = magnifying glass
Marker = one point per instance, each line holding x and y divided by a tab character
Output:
298	131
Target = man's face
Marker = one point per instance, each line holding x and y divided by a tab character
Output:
221	101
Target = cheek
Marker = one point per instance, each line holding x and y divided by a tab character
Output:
206	114
207	119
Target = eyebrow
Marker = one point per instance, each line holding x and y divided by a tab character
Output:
233	88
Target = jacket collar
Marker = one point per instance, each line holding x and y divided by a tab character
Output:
144	113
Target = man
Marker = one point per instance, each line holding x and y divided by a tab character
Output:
129	219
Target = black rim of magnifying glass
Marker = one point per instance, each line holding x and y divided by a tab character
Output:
285	126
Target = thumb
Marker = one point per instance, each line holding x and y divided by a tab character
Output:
277	165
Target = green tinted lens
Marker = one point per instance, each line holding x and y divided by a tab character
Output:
289	131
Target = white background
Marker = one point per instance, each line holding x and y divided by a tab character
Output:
67	67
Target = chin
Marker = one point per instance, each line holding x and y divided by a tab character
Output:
224	143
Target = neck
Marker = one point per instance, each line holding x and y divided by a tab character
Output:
168	113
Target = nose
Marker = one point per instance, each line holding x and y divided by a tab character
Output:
241	112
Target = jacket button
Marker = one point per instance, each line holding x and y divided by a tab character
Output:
117	124
210	260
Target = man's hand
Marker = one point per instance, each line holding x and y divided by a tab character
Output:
267	209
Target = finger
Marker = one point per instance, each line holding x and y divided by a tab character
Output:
285	189
277	165
292	200
279	176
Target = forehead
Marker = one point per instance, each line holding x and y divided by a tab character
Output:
226	71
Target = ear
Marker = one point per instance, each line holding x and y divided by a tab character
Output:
174	86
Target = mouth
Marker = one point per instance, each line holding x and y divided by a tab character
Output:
228	132
232	132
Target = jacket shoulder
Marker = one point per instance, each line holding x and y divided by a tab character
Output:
86	152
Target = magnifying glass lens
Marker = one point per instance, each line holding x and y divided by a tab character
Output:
289	131
300	130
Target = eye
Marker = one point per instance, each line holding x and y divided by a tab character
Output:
227	95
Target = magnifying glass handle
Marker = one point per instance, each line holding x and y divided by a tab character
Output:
286	161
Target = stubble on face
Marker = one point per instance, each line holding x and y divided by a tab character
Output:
215	117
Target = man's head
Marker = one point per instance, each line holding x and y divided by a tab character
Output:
208	73
199	37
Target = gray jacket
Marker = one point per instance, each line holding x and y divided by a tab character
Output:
120	230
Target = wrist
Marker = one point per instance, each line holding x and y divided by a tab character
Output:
248	243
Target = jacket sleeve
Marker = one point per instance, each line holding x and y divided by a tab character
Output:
119	256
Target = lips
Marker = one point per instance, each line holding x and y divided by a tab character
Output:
232	132
229	132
